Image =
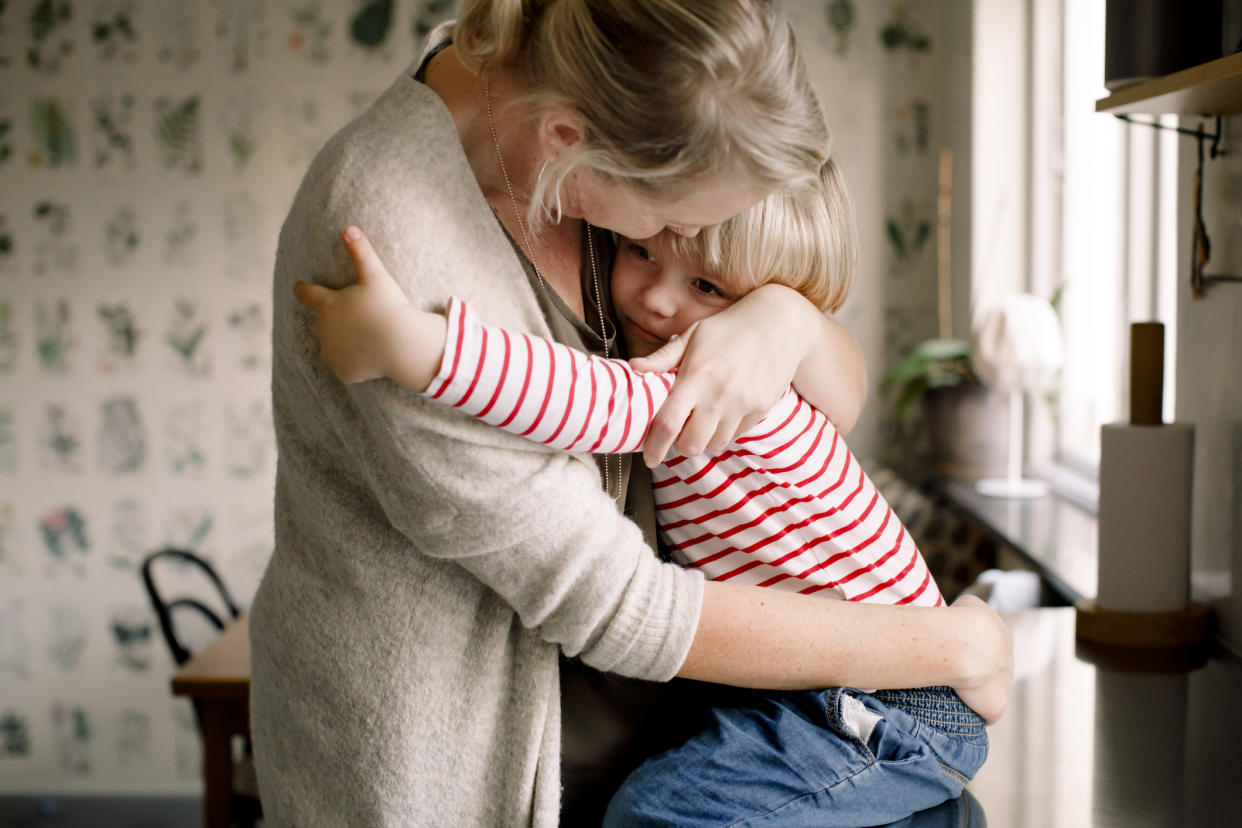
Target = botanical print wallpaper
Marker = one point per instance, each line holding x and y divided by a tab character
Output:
149	150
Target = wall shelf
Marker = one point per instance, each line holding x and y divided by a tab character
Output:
1213	88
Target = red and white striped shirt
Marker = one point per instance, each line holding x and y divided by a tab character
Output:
786	505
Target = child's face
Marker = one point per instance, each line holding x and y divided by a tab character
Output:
657	294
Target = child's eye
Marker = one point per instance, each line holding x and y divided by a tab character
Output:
642	252
704	286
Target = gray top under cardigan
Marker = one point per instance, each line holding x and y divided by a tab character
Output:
428	568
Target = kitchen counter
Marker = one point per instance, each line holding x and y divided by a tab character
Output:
1098	744
1055	536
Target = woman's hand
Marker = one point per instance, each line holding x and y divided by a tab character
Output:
369	329
988	651
734	366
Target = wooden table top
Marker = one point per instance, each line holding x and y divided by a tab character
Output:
220	671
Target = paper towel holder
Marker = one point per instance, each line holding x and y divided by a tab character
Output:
1146	630
1132	627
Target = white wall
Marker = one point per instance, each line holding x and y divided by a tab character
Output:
1209	376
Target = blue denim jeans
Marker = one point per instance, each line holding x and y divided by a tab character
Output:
814	758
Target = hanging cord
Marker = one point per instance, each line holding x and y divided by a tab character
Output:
1201	245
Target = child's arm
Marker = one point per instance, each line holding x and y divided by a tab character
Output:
369	329
748	353
530	386
545	391
833	375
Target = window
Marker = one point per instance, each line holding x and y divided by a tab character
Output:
1104	225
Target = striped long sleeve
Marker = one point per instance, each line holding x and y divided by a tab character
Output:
543	390
786	505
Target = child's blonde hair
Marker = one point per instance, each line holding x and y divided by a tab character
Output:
670	92
805	238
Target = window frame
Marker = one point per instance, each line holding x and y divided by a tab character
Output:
1144	261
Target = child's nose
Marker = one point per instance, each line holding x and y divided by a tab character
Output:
658	299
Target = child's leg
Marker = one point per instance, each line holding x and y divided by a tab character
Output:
823	758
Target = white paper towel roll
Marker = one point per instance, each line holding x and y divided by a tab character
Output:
1144	520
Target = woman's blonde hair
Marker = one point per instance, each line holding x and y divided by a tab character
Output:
669	91
805	238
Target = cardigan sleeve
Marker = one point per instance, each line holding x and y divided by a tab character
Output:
530	523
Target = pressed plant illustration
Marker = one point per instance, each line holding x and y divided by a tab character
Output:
310	31
178	132
73	738
122	438
908	232
14	735
121	236
842	18
50	40
185	336
132	634
112	134
62	439
53	336
113	33
183	430
371	24
121	336
54	136
8	445
64	535
8	338
902	33
133	740
55	252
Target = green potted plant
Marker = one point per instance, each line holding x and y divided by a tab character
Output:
963	422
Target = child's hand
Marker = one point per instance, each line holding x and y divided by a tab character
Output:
359	327
370	330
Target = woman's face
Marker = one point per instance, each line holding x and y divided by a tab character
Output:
657	293
607	204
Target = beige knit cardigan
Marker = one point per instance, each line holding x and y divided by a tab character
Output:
428	567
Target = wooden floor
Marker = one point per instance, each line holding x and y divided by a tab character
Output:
100	811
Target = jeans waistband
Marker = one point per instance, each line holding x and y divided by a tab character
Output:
938	707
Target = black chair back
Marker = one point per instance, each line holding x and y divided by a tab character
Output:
164	609
244	807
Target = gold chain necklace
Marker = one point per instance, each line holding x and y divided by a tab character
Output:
614	493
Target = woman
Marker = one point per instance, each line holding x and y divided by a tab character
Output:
428	570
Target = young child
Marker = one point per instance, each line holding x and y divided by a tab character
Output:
785	506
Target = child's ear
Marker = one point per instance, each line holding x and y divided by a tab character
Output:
560	131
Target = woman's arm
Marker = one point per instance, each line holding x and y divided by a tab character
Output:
767	638
737	363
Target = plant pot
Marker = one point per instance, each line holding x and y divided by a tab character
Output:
967	431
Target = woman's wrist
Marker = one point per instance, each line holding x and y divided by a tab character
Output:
795	320
828	369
